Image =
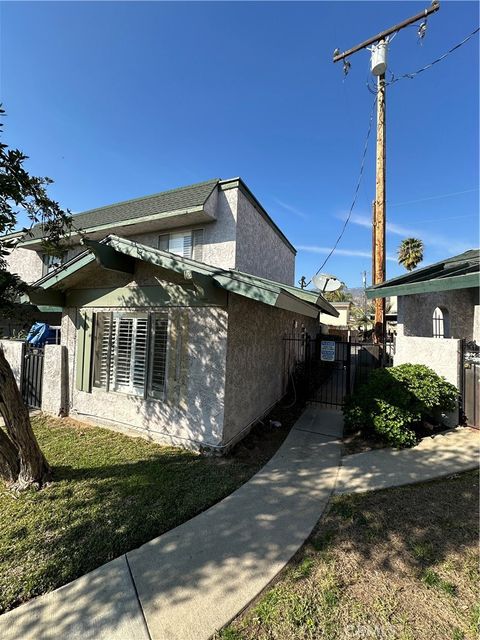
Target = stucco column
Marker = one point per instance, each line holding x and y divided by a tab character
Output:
13	350
54	392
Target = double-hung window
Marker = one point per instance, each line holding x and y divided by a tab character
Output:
187	244
130	353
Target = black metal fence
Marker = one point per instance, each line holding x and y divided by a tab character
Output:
327	369
470	384
32	376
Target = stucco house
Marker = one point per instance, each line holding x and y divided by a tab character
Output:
173	311
438	321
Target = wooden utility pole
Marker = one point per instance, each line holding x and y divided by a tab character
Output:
379	222
379	205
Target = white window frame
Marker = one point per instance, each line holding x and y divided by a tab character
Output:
110	383
192	239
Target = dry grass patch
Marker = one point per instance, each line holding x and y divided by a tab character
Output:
400	564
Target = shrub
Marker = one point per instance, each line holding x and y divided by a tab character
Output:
394	403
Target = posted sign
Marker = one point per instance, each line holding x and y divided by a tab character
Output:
327	350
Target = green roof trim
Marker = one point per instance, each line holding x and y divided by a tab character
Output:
269	292
458	272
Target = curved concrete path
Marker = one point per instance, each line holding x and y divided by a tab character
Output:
194	579
446	453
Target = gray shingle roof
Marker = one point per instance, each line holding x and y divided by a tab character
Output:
193	195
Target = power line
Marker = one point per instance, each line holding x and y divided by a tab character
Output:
438	197
362	167
413	74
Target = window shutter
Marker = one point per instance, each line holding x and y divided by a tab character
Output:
123	353
158	358
187	245
163	242
197	241
139	362
84	351
103	349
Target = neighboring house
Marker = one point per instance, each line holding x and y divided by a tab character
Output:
173	313
340	325
438	311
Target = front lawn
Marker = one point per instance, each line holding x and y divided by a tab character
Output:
399	564
110	494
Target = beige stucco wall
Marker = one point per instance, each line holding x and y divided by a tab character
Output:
255	360
25	263
343	316
415	313
260	250
55	381
13	350
192	413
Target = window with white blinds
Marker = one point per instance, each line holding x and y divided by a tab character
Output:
186	244
130	353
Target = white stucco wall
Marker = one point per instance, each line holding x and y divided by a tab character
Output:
192	413
260	250
13	350
255	360
441	355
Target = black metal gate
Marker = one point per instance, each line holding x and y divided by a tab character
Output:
470	381
339	367
329	368
32	376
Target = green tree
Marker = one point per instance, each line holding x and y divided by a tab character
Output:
22	463
410	253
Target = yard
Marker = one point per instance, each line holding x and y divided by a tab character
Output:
400	564
111	494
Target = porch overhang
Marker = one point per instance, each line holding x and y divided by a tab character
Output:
119	254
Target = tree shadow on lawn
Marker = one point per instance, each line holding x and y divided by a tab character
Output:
405	529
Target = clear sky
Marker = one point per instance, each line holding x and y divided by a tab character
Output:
116	100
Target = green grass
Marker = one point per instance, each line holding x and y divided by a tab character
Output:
110	494
399	564
433	580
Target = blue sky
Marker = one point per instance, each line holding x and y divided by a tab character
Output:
117	100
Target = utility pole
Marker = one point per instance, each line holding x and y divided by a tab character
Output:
379	65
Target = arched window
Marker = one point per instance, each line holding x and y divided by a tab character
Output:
441	323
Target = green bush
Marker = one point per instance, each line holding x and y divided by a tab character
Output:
394	403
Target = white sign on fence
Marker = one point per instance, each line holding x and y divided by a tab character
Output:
327	350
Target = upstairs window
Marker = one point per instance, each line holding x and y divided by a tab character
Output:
441	323
50	263
186	244
130	353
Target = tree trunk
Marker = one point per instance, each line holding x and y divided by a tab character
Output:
19	443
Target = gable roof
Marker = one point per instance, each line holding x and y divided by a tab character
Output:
194	195
458	272
269	292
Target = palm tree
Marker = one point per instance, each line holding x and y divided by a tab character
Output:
410	253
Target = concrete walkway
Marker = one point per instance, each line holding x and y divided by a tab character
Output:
192	580
450	452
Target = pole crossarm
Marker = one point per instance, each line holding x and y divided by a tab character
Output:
435	6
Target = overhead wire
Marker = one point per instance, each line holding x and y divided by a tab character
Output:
360	176
413	74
